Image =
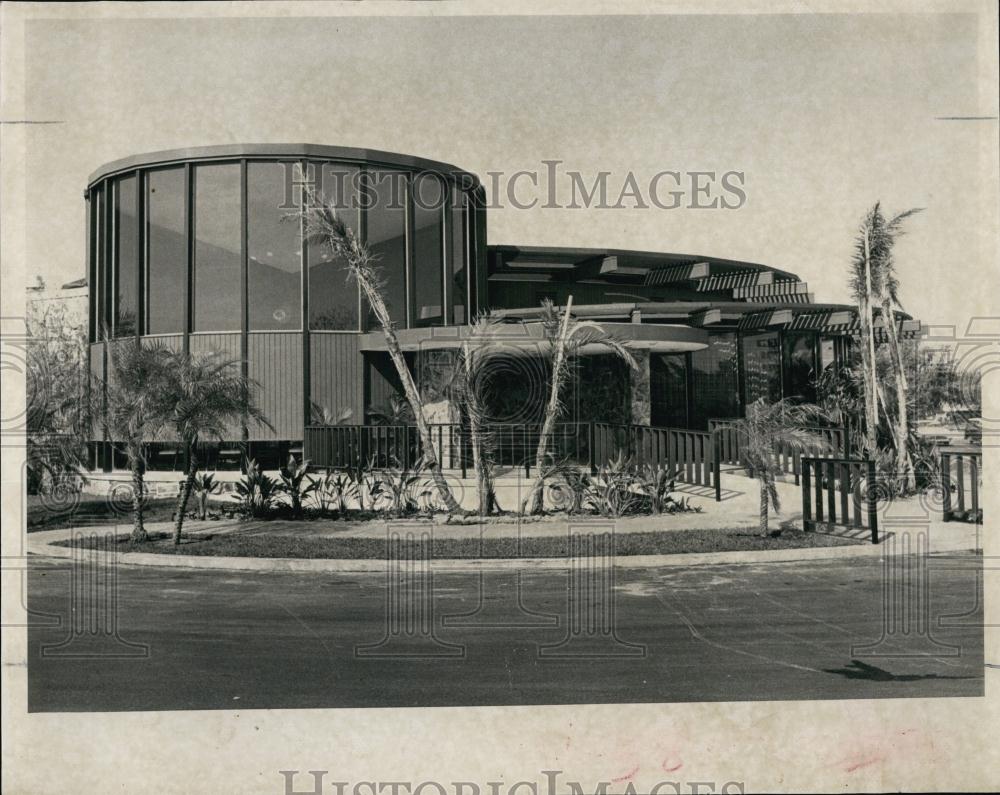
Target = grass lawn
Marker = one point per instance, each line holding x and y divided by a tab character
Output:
262	545
92	510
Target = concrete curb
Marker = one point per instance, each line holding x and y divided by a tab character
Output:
41	544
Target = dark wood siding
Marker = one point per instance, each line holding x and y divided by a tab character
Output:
225	344
336	373
275	363
228	346
172	342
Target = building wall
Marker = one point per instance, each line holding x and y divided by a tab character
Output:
336	373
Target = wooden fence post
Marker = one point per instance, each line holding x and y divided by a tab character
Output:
945	487
872	501
806	497
716	465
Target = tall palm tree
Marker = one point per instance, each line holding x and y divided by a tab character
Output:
768	428
133	410
323	225
564	336
875	285
206	395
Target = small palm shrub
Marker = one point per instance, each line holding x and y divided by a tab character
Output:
204	484
400	487
296	483
256	492
335	491
571	490
656	484
615	491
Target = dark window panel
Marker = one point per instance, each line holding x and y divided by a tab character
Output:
386	239
217	222
96	286
166	273
459	260
274	251
333	297
762	366
714	382
126	262
800	365
428	250
668	390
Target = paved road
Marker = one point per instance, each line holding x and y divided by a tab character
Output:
229	640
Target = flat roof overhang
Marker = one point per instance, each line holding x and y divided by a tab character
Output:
282	151
525	338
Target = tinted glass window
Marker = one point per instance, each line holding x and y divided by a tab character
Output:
96	286
714	383
333	297
459	278
386	238
762	364
217	248
668	390
827	353
166	272
126	261
274	249
428	250
800	365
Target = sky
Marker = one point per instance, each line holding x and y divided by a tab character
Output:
822	114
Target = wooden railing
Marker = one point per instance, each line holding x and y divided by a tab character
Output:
691	453
834	444
832	494
965	505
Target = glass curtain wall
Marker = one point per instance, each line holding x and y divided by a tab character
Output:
715	381
333	296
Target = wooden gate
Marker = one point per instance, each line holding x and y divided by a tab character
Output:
840	492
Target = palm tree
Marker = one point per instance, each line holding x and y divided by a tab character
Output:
324	226
207	395
564	337
874	284
472	386
134	409
768	428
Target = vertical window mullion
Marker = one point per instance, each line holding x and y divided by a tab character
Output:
446	255
409	295
141	239
189	220
364	185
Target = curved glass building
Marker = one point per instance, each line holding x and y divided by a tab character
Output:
203	250
200	249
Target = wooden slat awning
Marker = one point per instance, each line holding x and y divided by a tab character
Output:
731	281
675	273
784	289
764	320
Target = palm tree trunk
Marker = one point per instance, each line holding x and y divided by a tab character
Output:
551	412
904	462
865	309
374	297
139	534
763	508
185	495
484	483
